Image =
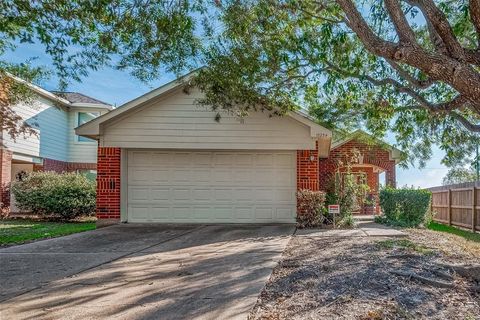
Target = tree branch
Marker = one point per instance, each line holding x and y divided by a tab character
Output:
419	84
383	82
440	23
404	31
372	42
475	17
465	122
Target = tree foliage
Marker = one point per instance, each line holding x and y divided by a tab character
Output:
459	175
407	66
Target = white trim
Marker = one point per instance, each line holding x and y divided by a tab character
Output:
91	105
41	91
123	185
27	158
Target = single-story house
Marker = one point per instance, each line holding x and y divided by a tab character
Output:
163	158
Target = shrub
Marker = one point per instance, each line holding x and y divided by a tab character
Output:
63	196
310	208
405	207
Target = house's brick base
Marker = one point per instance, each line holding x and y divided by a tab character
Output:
62	166
5	178
108	185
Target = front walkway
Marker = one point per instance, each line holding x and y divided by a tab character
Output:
365	227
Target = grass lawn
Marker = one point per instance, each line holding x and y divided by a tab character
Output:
467	235
19	231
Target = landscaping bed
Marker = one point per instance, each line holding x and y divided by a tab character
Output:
20	231
374	278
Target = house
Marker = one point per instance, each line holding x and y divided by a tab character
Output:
163	158
55	147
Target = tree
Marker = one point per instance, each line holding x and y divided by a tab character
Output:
409	66
459	175
145	38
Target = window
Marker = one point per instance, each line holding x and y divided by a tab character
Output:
84	117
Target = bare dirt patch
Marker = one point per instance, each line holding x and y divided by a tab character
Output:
371	278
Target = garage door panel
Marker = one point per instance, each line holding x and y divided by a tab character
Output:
181	175
139	194
160	194
284	161
284	213
245	213
264	213
159	214
264	160
211	187
159	176
164	158
202	194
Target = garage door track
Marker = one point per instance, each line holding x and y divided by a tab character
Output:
141	272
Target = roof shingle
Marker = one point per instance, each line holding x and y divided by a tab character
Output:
76	97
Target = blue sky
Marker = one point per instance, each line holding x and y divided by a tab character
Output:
117	87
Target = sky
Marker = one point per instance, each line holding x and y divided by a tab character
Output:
118	87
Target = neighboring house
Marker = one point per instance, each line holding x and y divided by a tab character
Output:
55	147
162	158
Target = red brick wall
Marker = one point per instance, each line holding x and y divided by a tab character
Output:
108	183
62	166
307	170
5	177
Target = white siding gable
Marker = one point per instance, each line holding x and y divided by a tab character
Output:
176	122
51	124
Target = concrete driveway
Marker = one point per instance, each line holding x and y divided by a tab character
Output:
141	272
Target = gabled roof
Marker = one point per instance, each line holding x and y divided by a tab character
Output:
65	99
92	128
341	139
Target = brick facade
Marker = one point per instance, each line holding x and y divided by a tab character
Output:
372	156
5	177
62	166
108	183
307	170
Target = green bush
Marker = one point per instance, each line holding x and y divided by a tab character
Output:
405	207
310	208
64	196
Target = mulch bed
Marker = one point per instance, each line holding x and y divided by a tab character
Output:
374	278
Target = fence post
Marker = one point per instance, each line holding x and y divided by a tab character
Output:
449	207
474	203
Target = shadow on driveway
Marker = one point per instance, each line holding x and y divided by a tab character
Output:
145	272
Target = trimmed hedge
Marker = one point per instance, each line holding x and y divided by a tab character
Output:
63	196
405	207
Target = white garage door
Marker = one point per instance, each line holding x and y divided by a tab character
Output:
211	187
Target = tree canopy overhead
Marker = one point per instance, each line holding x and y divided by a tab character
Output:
406	66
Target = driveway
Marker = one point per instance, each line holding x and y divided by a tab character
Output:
141	272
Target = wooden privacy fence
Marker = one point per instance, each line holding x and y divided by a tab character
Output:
457	205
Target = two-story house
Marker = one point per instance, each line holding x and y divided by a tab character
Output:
55	147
